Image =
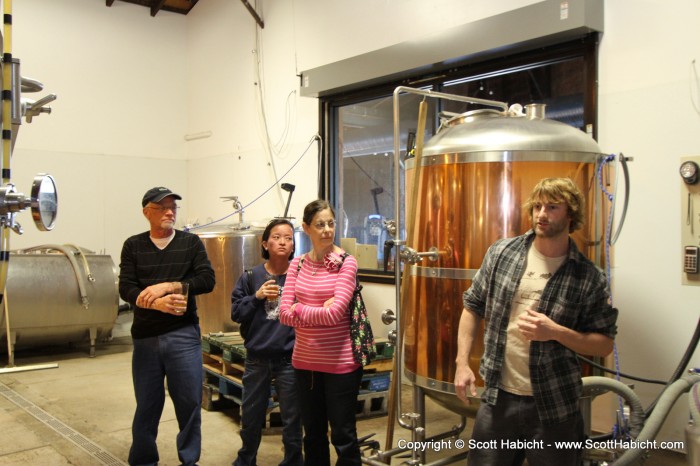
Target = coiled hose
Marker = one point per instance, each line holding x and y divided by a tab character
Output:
657	417
70	255
694	402
590	384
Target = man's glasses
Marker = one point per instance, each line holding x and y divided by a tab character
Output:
164	208
320	226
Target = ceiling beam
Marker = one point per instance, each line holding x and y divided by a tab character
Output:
156	6
254	13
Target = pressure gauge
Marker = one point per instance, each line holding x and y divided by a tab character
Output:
689	172
44	202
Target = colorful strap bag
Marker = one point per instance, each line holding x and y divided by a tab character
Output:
363	348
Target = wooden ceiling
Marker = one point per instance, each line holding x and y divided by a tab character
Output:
175	6
183	7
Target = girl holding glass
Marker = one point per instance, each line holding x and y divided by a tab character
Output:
268	347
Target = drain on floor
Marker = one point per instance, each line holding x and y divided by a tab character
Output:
93	449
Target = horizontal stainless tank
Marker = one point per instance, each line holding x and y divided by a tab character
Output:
231	251
59	294
472	180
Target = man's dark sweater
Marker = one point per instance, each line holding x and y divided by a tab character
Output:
143	265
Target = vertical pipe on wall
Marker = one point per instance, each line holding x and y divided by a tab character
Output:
7	91
6	134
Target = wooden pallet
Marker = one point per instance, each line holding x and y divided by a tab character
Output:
222	378
223	357
372	404
379	365
216	364
230	345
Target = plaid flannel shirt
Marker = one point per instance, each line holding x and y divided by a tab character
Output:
575	296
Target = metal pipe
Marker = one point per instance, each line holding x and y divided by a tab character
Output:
384	457
30	85
7	94
450	459
47	99
10	352
397	208
7	222
4	255
11	97
35	367
419	406
33	109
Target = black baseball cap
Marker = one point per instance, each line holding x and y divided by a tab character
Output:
157	194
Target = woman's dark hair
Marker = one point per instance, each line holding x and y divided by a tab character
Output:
266	235
314	207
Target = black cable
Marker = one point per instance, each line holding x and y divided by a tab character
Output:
680	369
674	377
626	376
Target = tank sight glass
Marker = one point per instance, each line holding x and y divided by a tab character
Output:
43	202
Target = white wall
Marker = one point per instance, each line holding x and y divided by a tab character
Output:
646	111
117	126
228	95
331	31
131	86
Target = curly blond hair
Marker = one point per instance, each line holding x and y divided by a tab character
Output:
559	191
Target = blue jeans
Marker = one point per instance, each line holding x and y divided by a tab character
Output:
257	378
176	356
515	418
329	399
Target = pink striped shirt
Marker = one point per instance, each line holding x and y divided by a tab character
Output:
322	333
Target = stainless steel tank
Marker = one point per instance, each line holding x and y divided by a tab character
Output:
231	250
473	178
59	294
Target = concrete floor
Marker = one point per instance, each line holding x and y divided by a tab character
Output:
80	414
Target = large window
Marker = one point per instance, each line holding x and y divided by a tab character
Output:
358	128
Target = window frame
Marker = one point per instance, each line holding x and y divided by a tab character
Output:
330	179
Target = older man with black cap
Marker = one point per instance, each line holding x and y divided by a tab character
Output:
154	266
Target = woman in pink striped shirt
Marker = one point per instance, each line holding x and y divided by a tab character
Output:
315	301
